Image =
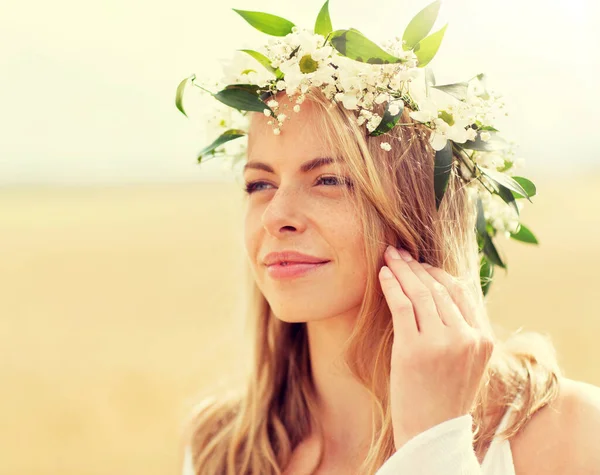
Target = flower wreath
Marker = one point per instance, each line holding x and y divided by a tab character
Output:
354	71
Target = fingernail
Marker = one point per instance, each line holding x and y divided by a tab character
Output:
392	252
427	266
405	255
386	273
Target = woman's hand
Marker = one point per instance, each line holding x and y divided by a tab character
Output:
440	351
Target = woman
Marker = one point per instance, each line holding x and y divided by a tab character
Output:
362	356
373	353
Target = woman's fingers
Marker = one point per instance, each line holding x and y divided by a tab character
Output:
403	317
447	308
459	293
424	308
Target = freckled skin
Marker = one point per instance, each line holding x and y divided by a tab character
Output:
305	212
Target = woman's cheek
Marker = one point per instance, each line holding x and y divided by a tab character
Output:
251	237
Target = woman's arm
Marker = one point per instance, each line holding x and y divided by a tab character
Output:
562	437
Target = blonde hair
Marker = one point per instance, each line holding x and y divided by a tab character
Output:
255	429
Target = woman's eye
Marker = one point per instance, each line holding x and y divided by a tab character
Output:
254	186
329	179
335	180
326	180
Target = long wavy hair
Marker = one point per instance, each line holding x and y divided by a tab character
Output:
254	427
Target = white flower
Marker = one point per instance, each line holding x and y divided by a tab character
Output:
272	103
385	146
395	107
485	136
491	160
296	108
381	98
423	115
239	62
438	141
373	122
471	133
322	53
350	101
276	131
293	76
267	112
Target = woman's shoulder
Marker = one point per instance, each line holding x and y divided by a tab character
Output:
562	437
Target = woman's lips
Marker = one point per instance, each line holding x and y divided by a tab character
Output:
292	269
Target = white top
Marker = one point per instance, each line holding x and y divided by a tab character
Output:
446	448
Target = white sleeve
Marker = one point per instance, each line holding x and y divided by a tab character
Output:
188	467
444	449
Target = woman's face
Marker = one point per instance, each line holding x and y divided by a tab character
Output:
295	207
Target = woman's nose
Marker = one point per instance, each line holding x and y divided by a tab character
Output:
284	213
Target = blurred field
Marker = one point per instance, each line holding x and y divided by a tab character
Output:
120	303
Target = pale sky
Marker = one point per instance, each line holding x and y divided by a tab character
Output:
87	88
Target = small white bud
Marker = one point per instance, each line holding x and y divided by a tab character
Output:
394	109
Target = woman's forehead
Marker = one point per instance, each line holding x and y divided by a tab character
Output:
301	132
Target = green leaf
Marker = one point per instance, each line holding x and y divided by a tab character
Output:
222	139
489	128
270	24
323	24
388	122
486	274
442	169
420	26
527	185
429	80
179	93
428	47
494	143
354	45
242	97
429	77
488	247
262	59
503	179
508	197
458	89
524	235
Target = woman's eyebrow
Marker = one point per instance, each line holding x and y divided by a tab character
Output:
305	167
